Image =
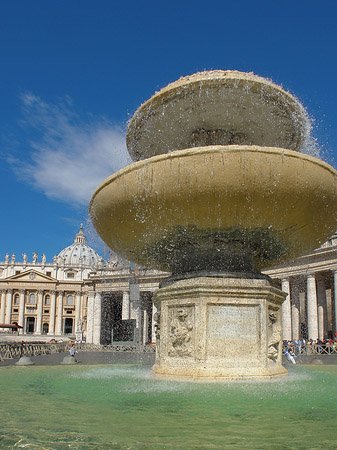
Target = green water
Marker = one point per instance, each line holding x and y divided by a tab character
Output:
123	407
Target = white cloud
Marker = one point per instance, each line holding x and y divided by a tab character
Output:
68	156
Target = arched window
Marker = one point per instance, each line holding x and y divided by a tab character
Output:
16	299
32	299
45	328
47	300
70	300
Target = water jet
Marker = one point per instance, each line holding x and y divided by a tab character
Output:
219	190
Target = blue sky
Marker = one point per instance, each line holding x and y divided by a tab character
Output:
73	72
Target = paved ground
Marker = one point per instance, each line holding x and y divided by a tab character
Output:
90	358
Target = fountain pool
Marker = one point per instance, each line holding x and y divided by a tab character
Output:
124	407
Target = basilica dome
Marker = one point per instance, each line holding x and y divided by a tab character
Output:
79	253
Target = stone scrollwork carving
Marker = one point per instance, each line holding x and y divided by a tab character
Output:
274	335
181	332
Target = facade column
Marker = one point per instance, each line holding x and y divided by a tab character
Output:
312	307
58	330
286	311
51	331
90	317
126	306
77	310
335	298
9	306
2	306
97	318
22	308
39	312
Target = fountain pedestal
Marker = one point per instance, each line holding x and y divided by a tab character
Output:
219	328
218	185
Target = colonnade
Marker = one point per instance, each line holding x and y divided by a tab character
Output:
55	308
131	309
315	304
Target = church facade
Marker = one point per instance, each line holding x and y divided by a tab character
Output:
80	296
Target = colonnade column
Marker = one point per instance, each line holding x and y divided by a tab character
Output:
58	330
22	308
312	307
126	306
145	326
286	311
52	314
295	320
335	298
39	312
153	330
321	310
96	335
2	306
90	317
9	306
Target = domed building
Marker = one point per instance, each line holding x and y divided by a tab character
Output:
79	253
78	296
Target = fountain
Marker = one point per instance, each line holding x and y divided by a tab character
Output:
219	190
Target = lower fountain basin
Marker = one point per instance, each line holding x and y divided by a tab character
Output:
225	208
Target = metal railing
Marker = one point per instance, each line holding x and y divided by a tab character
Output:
312	349
11	351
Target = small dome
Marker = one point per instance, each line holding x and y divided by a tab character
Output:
79	253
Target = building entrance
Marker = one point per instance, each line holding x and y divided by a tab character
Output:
68	325
30	325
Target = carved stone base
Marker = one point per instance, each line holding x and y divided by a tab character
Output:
219	328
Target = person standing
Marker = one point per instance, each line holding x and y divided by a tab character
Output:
72	351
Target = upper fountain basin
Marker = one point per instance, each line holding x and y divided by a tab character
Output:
217	108
217	208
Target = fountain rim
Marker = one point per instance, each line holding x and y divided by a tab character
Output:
208	78
209	150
